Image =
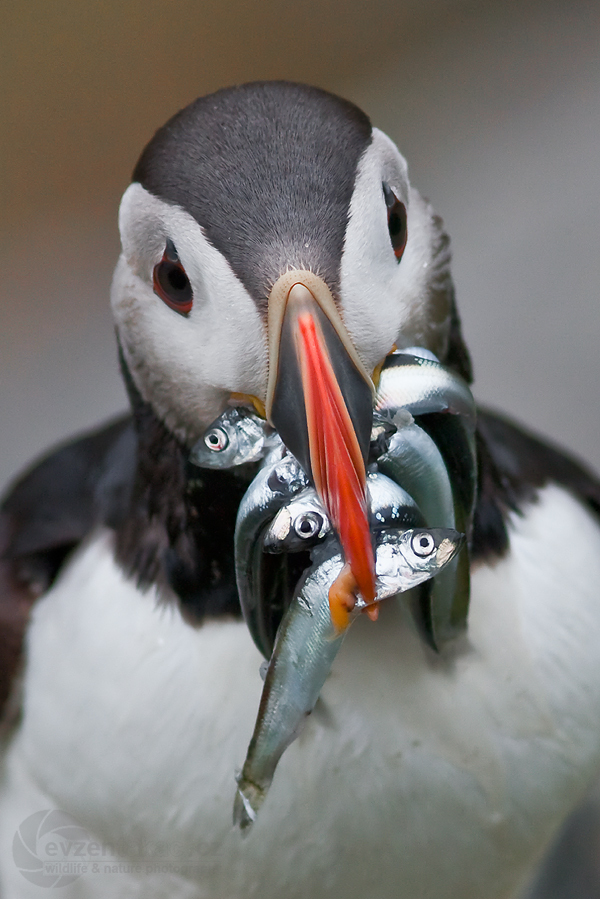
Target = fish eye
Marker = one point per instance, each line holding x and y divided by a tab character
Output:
308	525
397	226
171	283
422	544
216	440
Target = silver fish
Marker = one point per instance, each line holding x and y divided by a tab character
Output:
274	485
237	436
414	461
303	521
422	385
416	384
307	643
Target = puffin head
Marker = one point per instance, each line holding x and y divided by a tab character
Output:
274	252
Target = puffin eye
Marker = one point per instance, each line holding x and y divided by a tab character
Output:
422	544
171	283
396	213
308	525
216	439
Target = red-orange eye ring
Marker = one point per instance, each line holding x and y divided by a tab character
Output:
171	283
397	225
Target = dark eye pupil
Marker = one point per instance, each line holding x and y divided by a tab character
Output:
171	283
308	524
396	221
216	440
178	279
423	544
394	224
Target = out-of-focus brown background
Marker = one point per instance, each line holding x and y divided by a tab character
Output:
496	106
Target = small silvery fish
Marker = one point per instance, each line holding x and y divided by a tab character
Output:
302	521
417	384
307	643
299	526
414	461
422	385
236	437
274	485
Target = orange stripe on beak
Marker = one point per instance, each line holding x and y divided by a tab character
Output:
338	469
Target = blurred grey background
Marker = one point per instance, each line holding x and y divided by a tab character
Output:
496	106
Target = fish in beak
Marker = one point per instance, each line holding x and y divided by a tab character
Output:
320	400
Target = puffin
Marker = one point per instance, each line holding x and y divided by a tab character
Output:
258	216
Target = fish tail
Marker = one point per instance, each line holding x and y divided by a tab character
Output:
248	799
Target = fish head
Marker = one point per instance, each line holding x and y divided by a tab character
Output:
234	438
430	549
405	559
298	525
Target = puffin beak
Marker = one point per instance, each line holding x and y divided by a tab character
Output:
320	400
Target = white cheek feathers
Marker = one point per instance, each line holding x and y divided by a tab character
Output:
385	301
187	366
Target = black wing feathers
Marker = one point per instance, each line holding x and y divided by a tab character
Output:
56	503
49	510
513	466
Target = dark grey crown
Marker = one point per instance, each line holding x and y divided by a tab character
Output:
267	169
